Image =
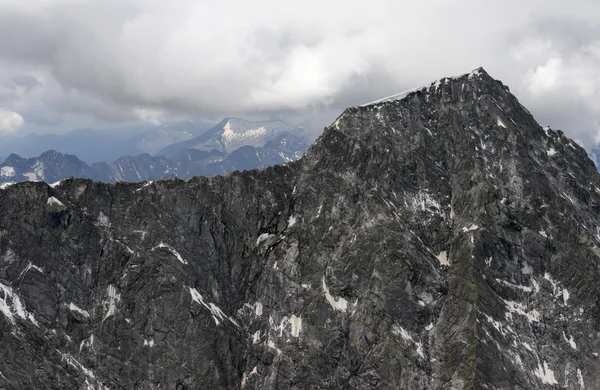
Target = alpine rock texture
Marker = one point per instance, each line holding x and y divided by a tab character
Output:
439	239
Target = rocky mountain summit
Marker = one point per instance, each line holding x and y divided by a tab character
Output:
438	239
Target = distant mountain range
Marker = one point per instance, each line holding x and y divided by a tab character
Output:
238	145
93	145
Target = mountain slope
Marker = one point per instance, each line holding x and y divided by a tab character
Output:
436	240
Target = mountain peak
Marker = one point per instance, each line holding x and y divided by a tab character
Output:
50	155
486	100
478	74
472	115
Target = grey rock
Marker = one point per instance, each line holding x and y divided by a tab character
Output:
439	240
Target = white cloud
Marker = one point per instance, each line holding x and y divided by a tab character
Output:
544	78
10	121
151	60
148	115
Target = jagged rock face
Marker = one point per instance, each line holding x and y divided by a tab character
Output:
439	240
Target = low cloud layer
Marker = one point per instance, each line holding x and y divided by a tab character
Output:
67	63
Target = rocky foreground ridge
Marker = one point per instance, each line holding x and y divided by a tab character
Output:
439	239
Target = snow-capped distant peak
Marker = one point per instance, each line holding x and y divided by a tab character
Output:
236	132
230	135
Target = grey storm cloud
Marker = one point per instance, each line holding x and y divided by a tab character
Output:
107	61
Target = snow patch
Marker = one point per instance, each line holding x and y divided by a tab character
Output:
11	306
103	220
74	307
31	266
443	258
551	152
259	309
53	201
217	314
566	296
296	325
580	379
38	171
263	237
422	201
570	340
31	176
172	250
7	171
339	304
4	186
498	326
73	362
149	343
556	290
545	374
400	331
89	342
110	305
291	221
519	308
500	123
470	228
272	345
146	184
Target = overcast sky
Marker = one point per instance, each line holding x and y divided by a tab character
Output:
74	63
